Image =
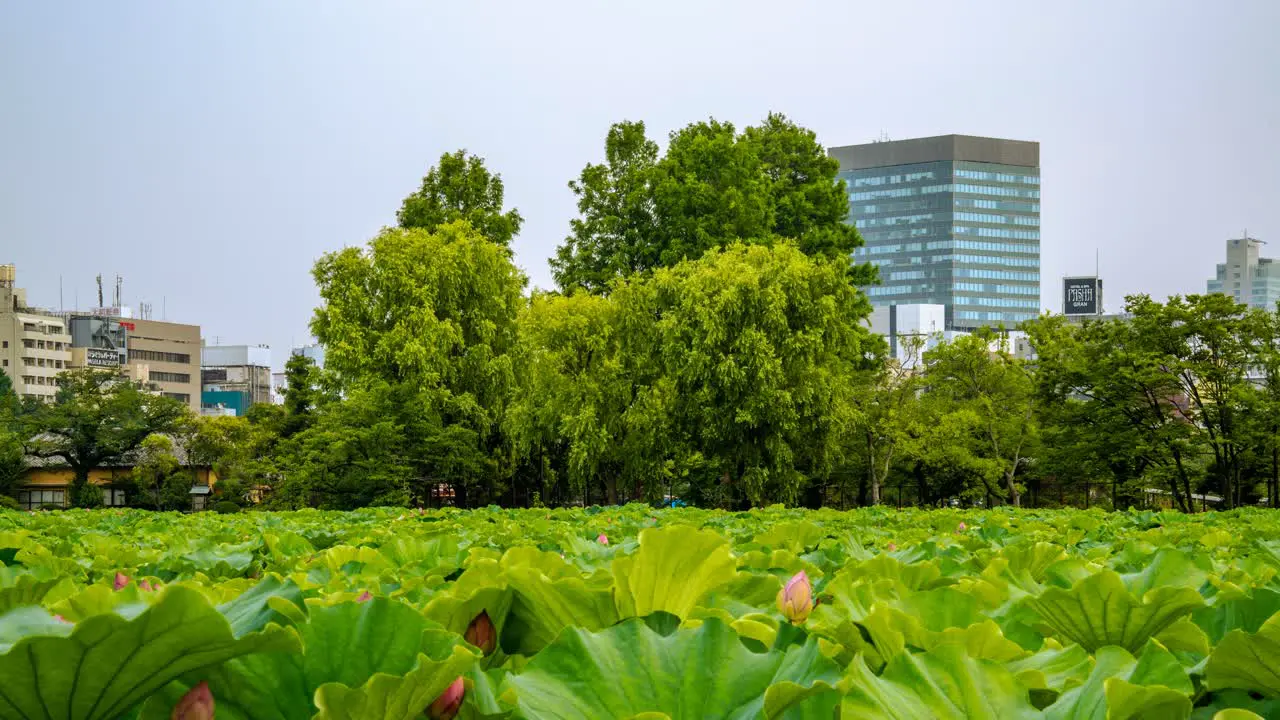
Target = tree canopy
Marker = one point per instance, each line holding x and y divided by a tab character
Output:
639	210
461	188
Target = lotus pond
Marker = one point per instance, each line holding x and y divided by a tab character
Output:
638	613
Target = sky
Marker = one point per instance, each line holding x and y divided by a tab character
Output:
209	152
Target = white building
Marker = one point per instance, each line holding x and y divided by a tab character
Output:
1246	276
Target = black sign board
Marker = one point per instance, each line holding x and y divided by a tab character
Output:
1080	295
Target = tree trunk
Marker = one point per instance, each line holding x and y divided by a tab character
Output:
871	471
1274	485
1015	497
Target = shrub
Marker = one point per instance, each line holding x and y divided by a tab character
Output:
8	503
225	507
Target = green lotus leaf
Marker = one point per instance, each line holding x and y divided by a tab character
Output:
377	659
1100	611
110	663
673	569
629	669
796	536
1245	612
942	683
1156	667
1127	701
30	590
1053	668
1248	661
543	607
1237	714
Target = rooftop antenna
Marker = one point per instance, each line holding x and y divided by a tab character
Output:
61	307
119	280
100	303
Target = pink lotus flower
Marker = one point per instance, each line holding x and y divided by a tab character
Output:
795	599
120	582
602	539
891	547
481	633
197	704
364	597
961	527
446	706
145	585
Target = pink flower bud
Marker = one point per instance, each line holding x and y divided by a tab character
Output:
961	527
795	599
446	706
364	597
602	539
891	547
120	582
481	633
145	585
197	704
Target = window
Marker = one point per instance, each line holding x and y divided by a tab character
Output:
6	343
35	499
182	397
160	356
112	497
157	376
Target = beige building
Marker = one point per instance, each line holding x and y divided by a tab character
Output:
34	346
167	356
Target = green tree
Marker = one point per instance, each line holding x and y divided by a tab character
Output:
990	392
884	412
1263	399
303	394
157	472
639	211
97	419
749	350
432	316
460	187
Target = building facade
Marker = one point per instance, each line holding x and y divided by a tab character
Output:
952	220
235	377
34	345
1246	276
166	357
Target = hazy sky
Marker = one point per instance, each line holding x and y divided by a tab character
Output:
209	152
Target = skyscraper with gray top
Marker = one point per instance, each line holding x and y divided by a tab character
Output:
951	220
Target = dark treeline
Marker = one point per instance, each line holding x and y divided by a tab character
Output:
708	343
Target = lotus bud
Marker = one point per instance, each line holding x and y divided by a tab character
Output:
145	585
120	582
795	599
481	633
891	547
961	527
446	706
602	539
197	704
364	597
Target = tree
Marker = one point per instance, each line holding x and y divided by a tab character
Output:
432	317
987	390
303	394
156	472
713	187
97	418
460	187
884	411
750	349
1263	400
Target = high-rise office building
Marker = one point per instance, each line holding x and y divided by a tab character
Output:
34	344
952	220
1247	277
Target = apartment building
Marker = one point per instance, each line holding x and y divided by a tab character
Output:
34	345
166	356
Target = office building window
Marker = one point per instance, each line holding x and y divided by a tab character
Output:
157	376
160	356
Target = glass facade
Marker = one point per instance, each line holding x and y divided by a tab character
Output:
956	233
